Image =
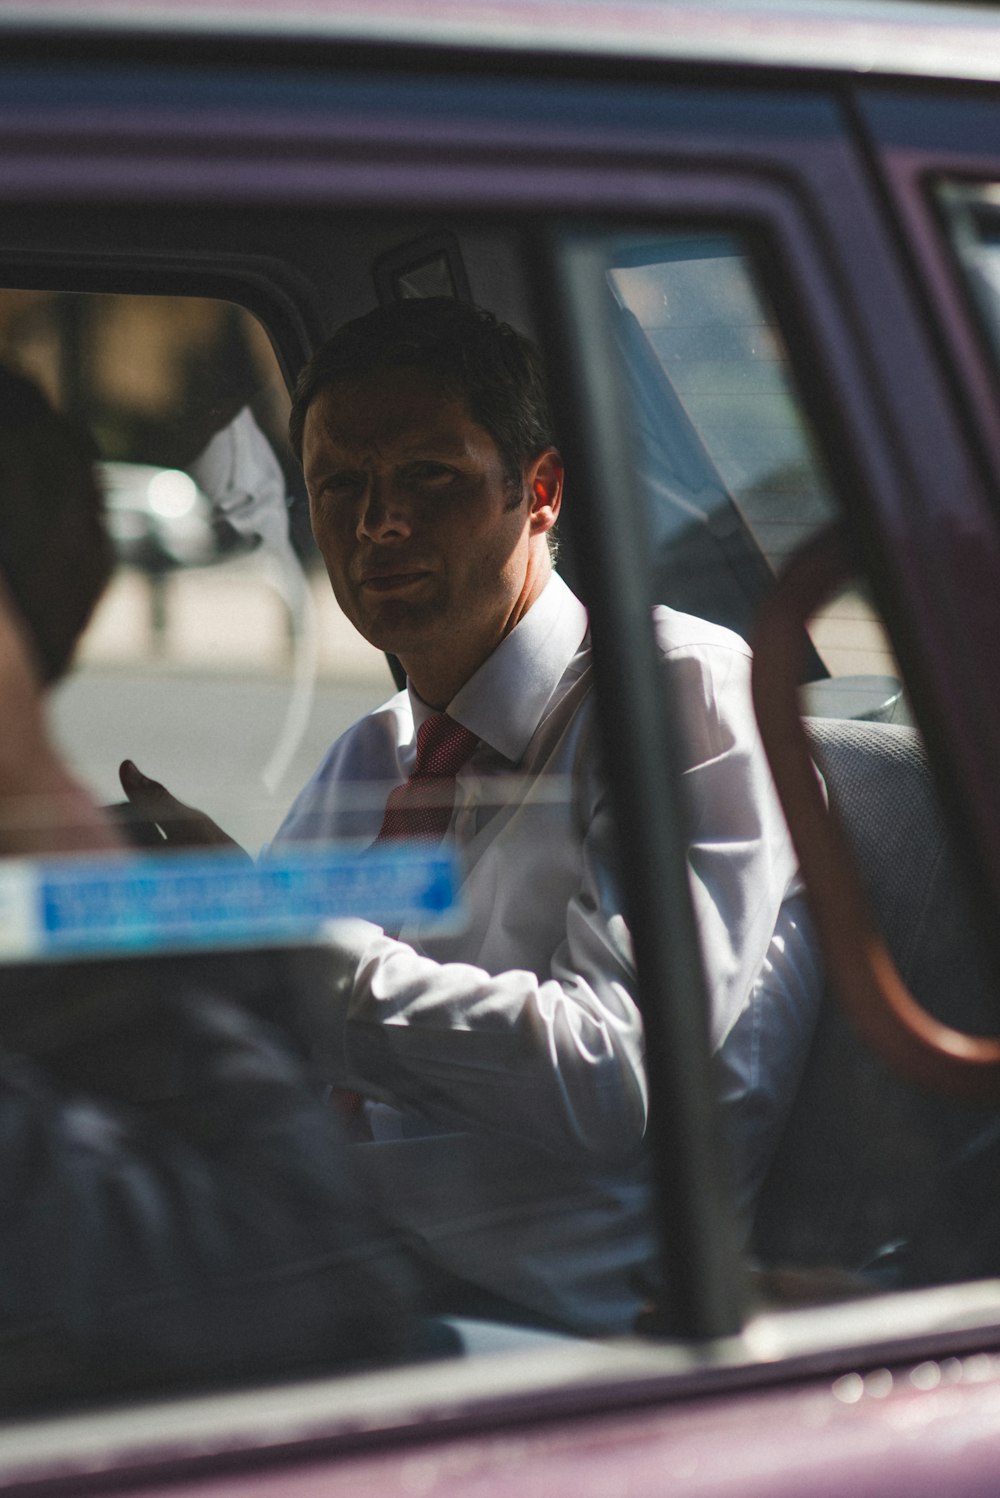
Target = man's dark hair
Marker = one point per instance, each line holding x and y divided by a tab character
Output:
495	370
55	555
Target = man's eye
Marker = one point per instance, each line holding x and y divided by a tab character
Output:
340	486
430	475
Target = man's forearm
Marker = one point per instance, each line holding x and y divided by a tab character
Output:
557	1061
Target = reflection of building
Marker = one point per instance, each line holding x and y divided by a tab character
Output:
154	379
227	680
151	377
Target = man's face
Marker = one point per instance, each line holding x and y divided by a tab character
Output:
429	549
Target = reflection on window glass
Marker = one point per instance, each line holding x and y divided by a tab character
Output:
217	660
972	214
325	1103
723	359
735	481
417	1088
863	1182
732	487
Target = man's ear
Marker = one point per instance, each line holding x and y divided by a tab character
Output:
544	484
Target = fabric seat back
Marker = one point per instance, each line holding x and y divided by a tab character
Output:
866	1165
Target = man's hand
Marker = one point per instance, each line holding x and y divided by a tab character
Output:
182	826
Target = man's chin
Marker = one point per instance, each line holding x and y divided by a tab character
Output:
398	626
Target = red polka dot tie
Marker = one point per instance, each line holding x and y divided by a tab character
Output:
421	807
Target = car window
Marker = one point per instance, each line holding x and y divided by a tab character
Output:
485	1112
738	482
860	1174
463	1022
971	216
217	659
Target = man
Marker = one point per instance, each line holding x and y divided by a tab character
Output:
176	1202
503	1064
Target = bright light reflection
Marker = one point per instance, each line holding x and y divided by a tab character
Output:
849	1388
172	494
925	1376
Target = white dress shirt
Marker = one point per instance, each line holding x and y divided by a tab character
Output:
506	1060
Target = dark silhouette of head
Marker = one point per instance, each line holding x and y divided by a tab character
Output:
55	555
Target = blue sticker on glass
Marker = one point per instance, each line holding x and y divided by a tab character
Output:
151	902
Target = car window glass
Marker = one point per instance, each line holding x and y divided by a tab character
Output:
736	481
972	217
859	1173
474	1037
486	1110
217	660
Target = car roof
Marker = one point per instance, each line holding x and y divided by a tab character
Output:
885	37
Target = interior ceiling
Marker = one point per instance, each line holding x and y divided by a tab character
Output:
327	261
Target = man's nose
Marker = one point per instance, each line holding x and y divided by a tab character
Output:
383	516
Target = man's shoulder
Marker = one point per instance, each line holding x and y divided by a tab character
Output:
678	633
370	747
391	719
366	754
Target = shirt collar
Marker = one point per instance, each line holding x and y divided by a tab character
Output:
502	703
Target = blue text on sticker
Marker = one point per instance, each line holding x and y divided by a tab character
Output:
155	902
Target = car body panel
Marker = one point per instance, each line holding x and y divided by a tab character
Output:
889	37
571	1417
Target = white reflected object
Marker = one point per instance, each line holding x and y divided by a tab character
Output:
241	475
172	494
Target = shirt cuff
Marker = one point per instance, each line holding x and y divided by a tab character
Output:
344	945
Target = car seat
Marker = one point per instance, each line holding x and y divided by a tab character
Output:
872	1175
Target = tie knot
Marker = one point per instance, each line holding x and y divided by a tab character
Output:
422	805
443	746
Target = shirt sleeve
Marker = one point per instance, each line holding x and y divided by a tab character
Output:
555	1060
741	860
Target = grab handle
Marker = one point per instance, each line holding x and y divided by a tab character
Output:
865	979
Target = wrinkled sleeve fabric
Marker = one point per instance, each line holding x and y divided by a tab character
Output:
761	961
554	1059
741	860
